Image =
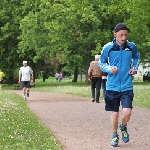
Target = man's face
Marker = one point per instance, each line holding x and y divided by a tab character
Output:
24	64
121	37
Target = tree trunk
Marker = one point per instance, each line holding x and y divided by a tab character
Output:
76	69
81	74
44	76
89	59
10	80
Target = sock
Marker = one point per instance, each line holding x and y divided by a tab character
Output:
123	126
115	134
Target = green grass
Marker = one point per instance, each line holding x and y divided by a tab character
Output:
66	86
142	94
20	129
141	89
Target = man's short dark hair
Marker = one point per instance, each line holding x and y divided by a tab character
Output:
121	26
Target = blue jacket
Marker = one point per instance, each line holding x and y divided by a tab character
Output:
124	58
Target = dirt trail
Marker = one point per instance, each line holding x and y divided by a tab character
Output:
80	124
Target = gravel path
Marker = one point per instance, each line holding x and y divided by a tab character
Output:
80	124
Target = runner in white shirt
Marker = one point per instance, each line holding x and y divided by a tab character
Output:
24	75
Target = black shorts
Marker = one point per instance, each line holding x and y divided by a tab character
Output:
113	99
25	84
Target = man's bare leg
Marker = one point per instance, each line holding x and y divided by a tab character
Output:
28	90
123	127
24	92
126	116
114	121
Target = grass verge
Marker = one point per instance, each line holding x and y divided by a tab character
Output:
141	89
20	129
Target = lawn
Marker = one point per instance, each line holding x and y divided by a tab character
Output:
21	130
141	89
19	127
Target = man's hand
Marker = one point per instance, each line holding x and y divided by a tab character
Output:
132	72
89	79
114	69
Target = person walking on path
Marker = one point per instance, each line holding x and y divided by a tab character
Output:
120	59
95	77
56	76
1	78
60	76
24	76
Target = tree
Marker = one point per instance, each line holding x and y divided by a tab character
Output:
139	23
71	31
9	22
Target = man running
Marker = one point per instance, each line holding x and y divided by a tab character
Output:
120	59
24	76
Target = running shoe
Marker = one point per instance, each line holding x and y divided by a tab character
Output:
27	94
125	135
114	140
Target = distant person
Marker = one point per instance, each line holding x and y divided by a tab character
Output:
57	76
120	59
95	77
60	76
24	76
1	78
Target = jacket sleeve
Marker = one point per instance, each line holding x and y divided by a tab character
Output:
104	61
135	58
90	71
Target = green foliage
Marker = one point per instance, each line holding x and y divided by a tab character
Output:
67	32
139	23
